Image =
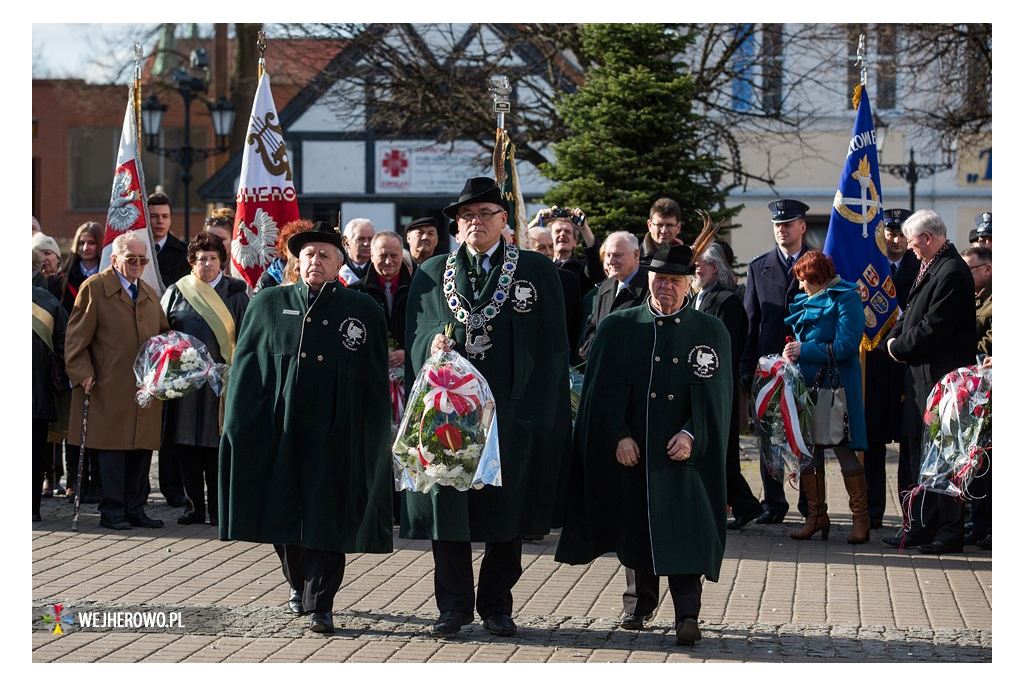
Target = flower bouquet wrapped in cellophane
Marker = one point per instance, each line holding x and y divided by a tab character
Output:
172	364
449	432
957	431
782	410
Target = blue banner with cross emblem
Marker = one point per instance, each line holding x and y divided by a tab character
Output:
855	239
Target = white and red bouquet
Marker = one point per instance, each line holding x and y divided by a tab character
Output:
172	364
782	410
396	389
957	431
449	433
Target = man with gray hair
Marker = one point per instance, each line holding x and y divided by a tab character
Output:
625	286
115	313
356	241
935	335
304	458
716	295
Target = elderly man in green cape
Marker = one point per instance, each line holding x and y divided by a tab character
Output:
509	321
305	462
648	457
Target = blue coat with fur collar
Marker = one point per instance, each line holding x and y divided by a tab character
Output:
834	315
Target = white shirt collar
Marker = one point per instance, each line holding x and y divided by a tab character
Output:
124	281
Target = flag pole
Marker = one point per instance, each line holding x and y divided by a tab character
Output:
261	45
863	352
137	93
500	89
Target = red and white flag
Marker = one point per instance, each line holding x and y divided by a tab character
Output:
266	194
128	210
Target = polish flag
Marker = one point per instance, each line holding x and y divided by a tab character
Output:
128	210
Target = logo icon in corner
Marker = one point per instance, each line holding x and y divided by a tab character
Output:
56	616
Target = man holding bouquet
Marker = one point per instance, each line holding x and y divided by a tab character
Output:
509	321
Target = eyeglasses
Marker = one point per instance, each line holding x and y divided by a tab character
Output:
978	266
207	260
660	226
910	241
469	217
133	260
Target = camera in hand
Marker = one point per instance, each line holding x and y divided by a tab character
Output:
564	214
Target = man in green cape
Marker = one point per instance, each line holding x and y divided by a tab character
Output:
506	306
305	462
648	457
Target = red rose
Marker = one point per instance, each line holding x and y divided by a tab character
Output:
175	354
449	436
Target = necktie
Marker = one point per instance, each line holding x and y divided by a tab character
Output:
700	298
389	296
133	288
621	287
156	247
789	262
892	269
481	273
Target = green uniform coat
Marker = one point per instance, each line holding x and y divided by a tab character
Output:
527	369
305	456
661	516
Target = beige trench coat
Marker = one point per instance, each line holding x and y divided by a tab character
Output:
104	336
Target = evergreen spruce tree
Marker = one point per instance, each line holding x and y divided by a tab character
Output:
634	134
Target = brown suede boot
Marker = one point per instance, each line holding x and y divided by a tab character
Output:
857	488
812	480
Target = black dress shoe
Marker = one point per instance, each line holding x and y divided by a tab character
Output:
985	542
899	541
36	518
295	602
936	547
179	501
768	517
119	524
146	522
740	521
451	622
191	518
500	624
321	622
634	621
687	631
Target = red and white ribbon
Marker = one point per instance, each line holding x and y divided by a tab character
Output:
452	392
787	402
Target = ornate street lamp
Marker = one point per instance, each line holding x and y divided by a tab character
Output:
911	172
189	87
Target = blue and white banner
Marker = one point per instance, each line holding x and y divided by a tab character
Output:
855	239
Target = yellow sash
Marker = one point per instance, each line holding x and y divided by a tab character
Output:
42	325
207	303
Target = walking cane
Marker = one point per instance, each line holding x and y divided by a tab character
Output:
81	465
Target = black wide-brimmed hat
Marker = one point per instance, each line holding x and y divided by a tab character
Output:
477	189
893	219
322	232
671	259
421	222
784	211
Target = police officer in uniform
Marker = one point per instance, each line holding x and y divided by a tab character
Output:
771	288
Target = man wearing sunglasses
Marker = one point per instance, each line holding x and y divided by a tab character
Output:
114	314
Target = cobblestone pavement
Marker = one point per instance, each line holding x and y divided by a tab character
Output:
777	600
